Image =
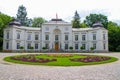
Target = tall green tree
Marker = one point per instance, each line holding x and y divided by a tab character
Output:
22	15
114	36
4	20
38	21
76	20
92	18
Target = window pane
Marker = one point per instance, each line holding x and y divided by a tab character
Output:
56	37
103	36
76	37
76	46
83	37
7	35
18	45
18	35
7	45
94	45
66	37
36	37
47	46
29	37
29	45
94	36
84	46
46	37
36	45
66	46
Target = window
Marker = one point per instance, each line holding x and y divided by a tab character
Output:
47	46
7	45
28	45
66	46
104	46
94	36
56	37
83	37
29	37
76	46
94	45
36	45
18	35
76	37
36	37
18	46
66	37
84	46
46	37
103	36
7	35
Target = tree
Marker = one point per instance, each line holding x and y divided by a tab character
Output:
83	25
4	20
76	20
22	15
38	21
92	18
113	36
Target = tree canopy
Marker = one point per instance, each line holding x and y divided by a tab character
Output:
22	15
76	20
37	22
92	18
4	20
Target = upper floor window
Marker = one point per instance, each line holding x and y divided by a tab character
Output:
83	37
18	46
56	37
36	36
76	37
103	36
18	35
46	37
7	35
66	37
94	36
29	36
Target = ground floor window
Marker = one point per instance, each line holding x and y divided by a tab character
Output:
36	45
76	46
47	46
94	45
84	46
18	45
66	46
28	45
7	45
104	46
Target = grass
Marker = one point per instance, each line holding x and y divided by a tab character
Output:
61	61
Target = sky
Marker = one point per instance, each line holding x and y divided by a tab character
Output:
65	9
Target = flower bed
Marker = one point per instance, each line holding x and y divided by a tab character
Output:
91	59
60	59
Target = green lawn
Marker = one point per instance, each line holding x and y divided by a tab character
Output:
61	60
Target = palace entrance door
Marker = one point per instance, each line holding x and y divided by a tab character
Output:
56	46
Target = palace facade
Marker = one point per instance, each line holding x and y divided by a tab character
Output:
55	35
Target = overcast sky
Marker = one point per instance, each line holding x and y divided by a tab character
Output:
64	8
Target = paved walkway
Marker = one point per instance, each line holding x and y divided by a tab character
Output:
10	71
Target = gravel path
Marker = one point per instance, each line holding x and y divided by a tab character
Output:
10	71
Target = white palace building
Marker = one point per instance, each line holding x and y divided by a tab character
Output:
55	35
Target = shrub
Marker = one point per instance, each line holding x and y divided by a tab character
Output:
31	47
44	48
21	47
118	48
71	48
82	48
92	48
